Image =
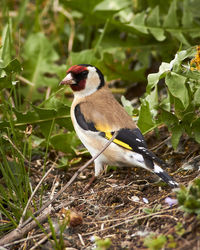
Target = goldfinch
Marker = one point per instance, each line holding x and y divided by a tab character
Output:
96	115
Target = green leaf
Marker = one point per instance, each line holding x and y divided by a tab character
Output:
81	5
40	57
153	22
46	117
6	49
176	86
85	56
171	23
119	70
177	131
152	99
65	142
197	97
29	117
165	103
112	5
180	37
168	118
176	63
187	17
5	82
196	130
11	68
145	121
139	22
155	243
155	77
171	18
127	105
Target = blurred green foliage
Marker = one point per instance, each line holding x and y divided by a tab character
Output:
155	243
189	197
178	106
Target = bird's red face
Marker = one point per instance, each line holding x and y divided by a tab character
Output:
84	79
76	77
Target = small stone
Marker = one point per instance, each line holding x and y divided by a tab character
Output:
76	219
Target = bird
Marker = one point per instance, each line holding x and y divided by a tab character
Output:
96	115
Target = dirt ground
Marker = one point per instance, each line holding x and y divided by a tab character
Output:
127	204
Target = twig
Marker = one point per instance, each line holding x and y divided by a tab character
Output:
160	216
54	186
160	144
41	241
25	239
24	80
134	218
48	93
10	14
28	224
32	237
18	233
81	239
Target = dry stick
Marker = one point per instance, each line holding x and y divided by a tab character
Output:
46	237
134	218
26	226
19	232
22	240
38	219
24	80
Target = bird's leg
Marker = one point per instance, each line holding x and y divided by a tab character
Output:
88	185
98	170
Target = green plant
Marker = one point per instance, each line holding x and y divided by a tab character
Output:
180	230
178	106
171	242
102	244
57	232
155	242
189	197
154	209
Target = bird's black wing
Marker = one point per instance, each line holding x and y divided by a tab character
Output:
131	139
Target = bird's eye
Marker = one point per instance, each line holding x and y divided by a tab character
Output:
80	76
84	73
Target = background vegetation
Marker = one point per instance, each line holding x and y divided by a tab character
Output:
128	40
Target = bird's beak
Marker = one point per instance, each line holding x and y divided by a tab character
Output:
68	80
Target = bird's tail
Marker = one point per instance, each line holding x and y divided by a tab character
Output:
164	176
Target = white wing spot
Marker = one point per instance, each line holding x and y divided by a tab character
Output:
142	148
138	139
173	183
158	169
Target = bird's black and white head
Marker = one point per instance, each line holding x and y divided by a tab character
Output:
84	79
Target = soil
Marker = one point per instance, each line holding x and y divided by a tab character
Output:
127	205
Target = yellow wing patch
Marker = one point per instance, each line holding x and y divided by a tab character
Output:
106	129
121	143
103	128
